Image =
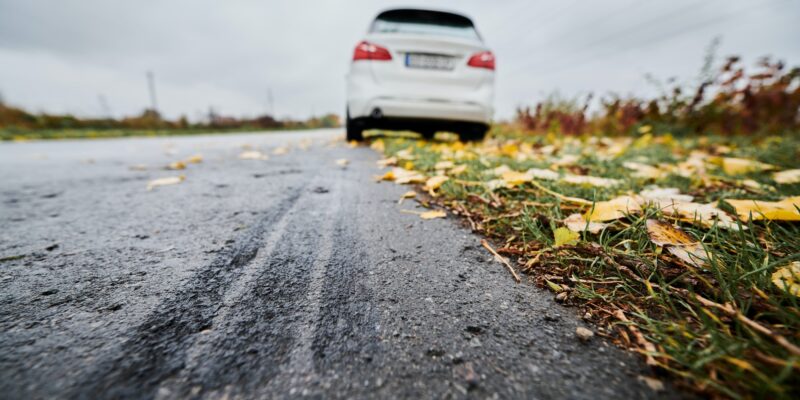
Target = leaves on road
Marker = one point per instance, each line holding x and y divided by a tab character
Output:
433	214
171	180
253	155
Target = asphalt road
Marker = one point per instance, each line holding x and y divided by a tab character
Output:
284	277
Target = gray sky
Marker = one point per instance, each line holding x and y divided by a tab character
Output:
61	55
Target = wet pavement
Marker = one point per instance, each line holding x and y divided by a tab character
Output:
286	277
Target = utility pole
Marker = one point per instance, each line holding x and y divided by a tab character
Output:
151	83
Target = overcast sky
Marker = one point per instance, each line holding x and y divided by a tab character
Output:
63	55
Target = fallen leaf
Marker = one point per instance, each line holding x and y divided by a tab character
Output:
177	165
706	214
788	176
407	195
387	162
613	209
737	166
784	210
171	180
279	151
433	214
788	278
342	162
378	146
677	242
253	155
576	223
664	195
388	176
543	174
434	183
458	170
403	176
591	180
564	236
195	159
514	178
443	165
643	170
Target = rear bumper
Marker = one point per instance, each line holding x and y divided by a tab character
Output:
438	101
393	107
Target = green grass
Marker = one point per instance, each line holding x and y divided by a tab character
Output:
707	346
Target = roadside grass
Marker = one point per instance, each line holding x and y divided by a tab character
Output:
722	325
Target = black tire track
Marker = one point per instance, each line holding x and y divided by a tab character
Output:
157	348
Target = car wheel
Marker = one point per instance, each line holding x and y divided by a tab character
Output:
473	133
355	130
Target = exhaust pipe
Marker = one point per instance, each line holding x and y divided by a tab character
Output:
376	113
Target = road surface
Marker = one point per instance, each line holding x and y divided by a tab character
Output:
286	277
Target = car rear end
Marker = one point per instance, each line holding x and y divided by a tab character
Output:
421	70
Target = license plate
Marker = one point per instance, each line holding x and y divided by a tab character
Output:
428	61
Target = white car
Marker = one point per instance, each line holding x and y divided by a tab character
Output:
421	70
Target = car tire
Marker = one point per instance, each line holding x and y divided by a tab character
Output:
355	130
473	133
427	134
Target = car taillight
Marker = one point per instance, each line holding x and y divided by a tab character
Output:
368	51
484	59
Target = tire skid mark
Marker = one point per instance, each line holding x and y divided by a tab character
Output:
254	332
157	348
347	330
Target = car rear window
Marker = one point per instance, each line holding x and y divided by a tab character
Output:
425	23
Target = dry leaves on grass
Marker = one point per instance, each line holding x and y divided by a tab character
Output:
171	180
434	183
576	223
787	177
677	242
784	210
739	166
563	236
788	278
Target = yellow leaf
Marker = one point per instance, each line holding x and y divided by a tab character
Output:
645	129
279	151
613	209
564	236
387	162
788	278
458	170
253	155
576	223
788	176
736	166
543	174
407	195
678	242
403	176
378	145
434	183
388	176
176	165
643	170
706	214
784	210
342	162
444	165
433	214
171	180
514	178
591	180
195	159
